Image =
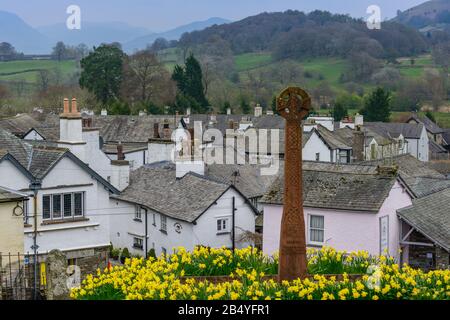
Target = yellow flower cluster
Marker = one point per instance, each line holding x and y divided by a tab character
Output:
162	279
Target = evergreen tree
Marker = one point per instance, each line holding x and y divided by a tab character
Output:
274	105
189	81
339	111
102	72
377	106
245	107
430	116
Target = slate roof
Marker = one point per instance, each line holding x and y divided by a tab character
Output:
38	158
249	180
346	134
393	130
337	189
7	195
408	166
436	148
131	128
332	139
419	177
446	136
423	186
157	188
431	127
19	124
442	166
113	128
431	216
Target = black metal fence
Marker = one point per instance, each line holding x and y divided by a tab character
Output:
17	277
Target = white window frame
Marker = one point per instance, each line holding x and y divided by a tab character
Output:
138	213
310	229
224	226
163	221
138	243
63	217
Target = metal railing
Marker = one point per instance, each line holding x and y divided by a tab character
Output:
17	277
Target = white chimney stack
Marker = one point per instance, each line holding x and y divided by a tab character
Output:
359	120
258	110
104	112
71	129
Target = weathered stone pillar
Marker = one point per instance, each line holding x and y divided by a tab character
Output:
293	105
56	264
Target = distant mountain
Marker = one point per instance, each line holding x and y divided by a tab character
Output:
22	36
174	34
428	16
93	33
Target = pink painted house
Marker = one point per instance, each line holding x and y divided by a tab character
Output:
347	207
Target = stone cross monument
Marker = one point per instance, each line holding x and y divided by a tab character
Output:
293	104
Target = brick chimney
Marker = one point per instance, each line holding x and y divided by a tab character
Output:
120	154
156	130
87	123
167	132
358	144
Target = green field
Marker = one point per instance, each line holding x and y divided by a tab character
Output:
417	69
28	69
248	61
321	69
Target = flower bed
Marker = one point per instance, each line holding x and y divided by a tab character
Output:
251	277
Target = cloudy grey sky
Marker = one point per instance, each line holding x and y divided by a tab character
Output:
158	15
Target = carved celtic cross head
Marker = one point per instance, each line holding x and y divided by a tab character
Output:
294	103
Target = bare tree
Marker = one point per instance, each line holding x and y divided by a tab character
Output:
144	77
441	55
43	80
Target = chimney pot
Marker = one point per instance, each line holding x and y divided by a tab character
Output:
66	106
156	130
74	105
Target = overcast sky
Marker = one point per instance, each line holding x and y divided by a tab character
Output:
158	15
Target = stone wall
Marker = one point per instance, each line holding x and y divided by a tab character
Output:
427	257
442	258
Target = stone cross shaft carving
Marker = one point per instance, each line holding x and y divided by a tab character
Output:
293	104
